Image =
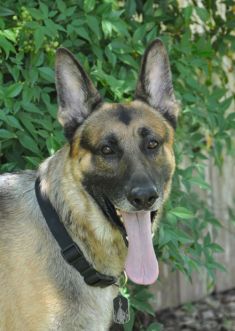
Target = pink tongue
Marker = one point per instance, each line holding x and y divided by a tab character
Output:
141	263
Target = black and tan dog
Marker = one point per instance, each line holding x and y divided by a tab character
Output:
106	183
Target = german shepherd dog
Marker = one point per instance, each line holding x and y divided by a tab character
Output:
106	183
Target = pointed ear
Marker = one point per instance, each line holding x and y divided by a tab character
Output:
155	83
77	95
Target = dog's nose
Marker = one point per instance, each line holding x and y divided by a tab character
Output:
142	197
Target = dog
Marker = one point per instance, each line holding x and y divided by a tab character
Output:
104	186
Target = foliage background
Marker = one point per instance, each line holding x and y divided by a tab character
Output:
109	38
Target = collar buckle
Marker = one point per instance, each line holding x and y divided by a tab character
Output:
95	278
73	255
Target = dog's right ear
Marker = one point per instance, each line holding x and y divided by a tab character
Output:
77	96
155	83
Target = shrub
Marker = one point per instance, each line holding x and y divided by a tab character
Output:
109	38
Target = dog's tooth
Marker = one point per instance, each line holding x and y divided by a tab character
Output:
118	212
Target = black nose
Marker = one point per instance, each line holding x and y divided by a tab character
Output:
142	197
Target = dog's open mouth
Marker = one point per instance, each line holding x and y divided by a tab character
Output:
115	216
141	264
119	214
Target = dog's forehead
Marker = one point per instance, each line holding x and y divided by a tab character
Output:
129	117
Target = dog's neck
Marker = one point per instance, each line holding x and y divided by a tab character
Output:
102	244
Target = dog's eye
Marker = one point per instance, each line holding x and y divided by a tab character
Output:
106	150
152	144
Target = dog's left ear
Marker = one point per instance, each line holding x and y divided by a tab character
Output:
77	95
155	83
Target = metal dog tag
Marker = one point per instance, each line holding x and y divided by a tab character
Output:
121	310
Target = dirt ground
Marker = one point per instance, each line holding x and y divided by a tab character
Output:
214	313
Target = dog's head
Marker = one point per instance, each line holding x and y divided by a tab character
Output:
122	153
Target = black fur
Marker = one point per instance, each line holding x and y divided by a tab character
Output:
172	120
144	132
124	115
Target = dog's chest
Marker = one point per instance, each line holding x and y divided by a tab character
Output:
90	310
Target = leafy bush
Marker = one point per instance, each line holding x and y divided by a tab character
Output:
109	38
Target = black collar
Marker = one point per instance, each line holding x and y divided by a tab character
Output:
69	249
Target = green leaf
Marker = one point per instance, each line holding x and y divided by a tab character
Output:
155	327
130	6
200	182
143	294
38	38
214	222
26	121
128	59
107	28
36	13
148	7
230	117
88	5
177	235
139	33
143	306
111	56
70	11
6	46
6	11
215	247
182	212
28	142
202	13
34	160
225	104
14	90
9	34
83	33
43	9
13	122
152	34
51	145
30	107
61	5
5	134
120	27
47	74
187	12
52	29
93	24
215	265
120	47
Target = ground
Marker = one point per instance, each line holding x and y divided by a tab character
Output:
214	313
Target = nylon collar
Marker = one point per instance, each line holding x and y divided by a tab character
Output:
69	249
